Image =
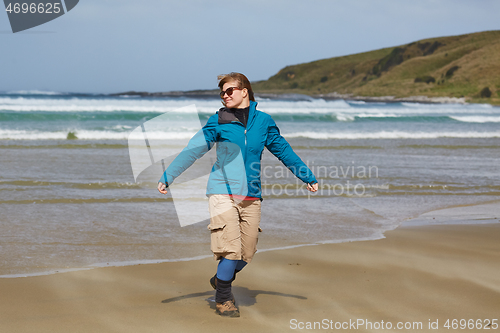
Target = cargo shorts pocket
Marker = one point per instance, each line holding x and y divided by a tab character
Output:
217	240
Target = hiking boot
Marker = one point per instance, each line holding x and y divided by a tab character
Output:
227	309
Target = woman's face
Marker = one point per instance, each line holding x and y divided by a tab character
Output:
238	99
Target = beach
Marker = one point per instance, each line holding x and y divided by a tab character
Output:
417	275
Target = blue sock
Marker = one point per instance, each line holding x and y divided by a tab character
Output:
225	269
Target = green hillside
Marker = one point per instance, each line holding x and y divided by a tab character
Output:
457	66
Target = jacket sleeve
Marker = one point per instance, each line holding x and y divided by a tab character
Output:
280	148
198	146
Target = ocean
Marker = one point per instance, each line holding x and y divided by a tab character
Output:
70	198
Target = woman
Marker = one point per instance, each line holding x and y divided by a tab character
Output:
234	190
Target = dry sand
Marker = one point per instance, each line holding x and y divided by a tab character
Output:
416	274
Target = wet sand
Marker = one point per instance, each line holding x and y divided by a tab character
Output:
415	274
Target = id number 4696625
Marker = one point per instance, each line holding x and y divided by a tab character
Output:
485	324
41	8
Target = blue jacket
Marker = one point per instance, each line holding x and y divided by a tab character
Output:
238	148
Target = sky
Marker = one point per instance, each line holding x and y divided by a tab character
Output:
108	46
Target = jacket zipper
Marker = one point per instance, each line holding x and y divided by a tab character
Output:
245	136
245	132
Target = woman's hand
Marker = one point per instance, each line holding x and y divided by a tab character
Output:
313	187
162	188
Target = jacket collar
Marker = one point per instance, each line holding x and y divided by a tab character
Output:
252	112
226	117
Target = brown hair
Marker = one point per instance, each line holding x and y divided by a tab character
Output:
238	78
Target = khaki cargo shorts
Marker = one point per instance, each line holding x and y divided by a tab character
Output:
234	227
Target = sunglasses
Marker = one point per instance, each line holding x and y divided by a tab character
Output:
229	91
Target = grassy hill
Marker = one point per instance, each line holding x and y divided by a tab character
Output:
457	66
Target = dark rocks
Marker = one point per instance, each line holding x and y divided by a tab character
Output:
427	79
451	71
433	47
132	93
392	59
485	92
71	136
